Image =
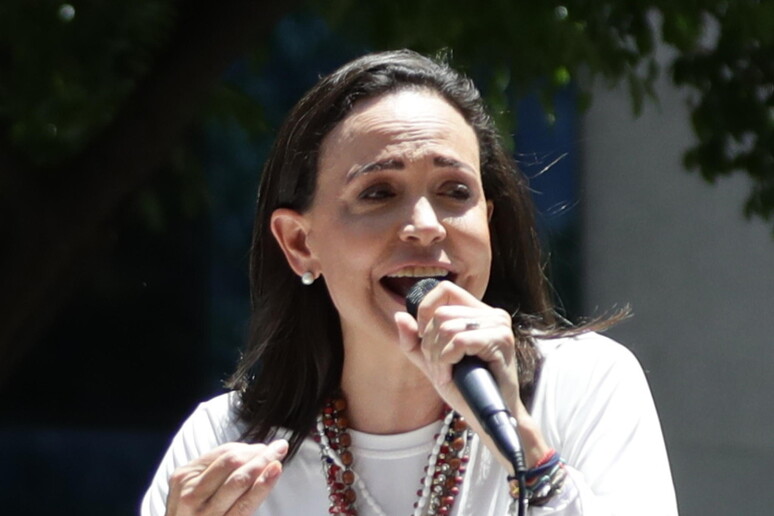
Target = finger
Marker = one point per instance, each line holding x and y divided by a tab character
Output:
446	345
449	323
480	316
205	484
408	340
408	337
496	346
440	333
446	322
445	293
191	485
486	343
246	504
242	479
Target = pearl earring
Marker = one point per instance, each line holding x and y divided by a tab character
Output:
307	278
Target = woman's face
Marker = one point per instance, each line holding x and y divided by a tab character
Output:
399	197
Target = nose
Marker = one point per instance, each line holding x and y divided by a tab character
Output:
423	227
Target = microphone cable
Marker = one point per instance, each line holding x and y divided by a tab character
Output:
520	469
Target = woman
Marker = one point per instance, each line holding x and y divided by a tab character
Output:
386	172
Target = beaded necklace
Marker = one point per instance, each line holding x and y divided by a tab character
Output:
439	487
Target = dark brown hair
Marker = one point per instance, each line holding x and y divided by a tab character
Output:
294	356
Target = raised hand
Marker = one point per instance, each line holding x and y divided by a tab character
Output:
230	480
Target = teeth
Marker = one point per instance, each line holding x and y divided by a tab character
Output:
420	272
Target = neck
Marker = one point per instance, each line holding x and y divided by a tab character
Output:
386	394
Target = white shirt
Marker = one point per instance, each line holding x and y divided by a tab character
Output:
592	404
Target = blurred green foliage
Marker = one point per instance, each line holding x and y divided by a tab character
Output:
733	106
722	52
66	68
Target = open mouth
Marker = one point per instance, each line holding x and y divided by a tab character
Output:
401	281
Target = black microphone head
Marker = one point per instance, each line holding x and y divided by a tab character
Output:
417	293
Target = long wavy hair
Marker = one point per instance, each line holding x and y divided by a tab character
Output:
294	355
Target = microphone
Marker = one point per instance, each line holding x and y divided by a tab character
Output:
479	389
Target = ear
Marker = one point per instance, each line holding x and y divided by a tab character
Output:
489	210
291	230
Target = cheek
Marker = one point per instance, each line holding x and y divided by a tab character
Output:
344	250
474	225
346	265
475	249
486	248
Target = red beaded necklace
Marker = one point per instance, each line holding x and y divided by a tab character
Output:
439	487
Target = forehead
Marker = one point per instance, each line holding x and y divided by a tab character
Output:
410	122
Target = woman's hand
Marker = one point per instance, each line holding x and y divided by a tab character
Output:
452	323
232	479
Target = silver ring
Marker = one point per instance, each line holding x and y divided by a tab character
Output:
472	325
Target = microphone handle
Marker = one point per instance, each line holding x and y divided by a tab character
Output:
478	387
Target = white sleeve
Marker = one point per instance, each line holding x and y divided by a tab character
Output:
209	426
598	412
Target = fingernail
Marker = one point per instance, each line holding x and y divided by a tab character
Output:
272	470
280	446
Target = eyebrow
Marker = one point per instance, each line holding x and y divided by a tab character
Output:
376	166
398	164
445	162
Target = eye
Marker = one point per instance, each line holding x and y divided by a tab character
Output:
377	192
456	190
